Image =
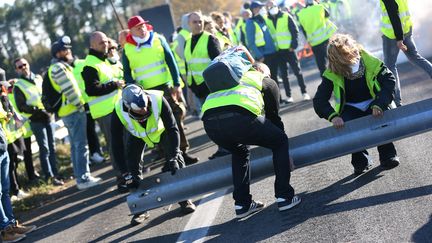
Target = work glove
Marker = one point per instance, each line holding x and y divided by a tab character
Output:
176	162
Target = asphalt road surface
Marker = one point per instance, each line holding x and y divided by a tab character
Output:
379	206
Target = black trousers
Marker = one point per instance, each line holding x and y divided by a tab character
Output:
320	53
234	132
28	159
135	147
92	137
290	57
360	159
272	61
119	136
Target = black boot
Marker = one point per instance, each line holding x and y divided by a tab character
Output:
189	160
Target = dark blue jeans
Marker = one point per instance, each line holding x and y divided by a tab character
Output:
234	132
360	159
44	134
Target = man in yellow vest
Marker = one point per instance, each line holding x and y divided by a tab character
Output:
200	49
315	23
396	26
148	118
92	137
72	110
149	62
361	86
103	85
27	92
285	33
248	114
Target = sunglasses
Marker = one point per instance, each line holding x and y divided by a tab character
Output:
22	66
139	117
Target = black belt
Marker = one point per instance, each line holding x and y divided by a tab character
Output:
221	116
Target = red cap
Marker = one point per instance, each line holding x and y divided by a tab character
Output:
135	21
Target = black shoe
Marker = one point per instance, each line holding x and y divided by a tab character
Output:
187	207
189	160
55	181
139	218
362	169
390	163
243	211
121	185
131	182
218	154
284	204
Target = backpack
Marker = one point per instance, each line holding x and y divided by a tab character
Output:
51	99
226	70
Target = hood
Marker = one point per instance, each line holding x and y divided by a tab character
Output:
184	22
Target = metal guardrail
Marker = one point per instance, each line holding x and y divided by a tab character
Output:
313	147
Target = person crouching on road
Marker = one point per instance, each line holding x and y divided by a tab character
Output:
362	85
148	117
248	114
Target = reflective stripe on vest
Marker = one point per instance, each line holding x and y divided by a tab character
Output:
372	68
32	93
281	33
198	60
404	15
26	130
148	65
154	128
102	105
247	95
259	35
318	28
77	69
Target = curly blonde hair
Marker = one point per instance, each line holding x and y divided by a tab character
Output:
343	51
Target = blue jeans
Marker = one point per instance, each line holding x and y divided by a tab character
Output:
391	52
76	126
234	132
44	135
6	212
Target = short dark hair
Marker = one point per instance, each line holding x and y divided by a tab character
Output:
17	60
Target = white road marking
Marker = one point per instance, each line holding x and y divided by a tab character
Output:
198	225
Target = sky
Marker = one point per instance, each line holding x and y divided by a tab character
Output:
3	2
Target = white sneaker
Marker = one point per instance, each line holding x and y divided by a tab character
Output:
97	158
90	182
290	100
22	194
306	96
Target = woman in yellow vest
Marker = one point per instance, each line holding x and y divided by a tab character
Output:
361	85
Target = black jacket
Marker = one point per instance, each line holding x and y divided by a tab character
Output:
37	115
383	98
93	87
270	91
